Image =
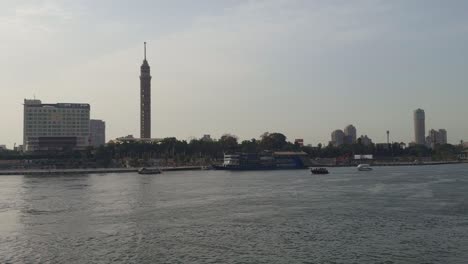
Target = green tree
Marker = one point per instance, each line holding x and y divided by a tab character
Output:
273	141
228	143
249	146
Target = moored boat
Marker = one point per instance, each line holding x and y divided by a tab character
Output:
149	171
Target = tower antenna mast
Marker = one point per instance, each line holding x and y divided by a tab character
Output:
145	50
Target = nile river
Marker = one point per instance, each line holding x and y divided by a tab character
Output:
389	215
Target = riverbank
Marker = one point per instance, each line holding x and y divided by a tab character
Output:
90	171
188	168
377	164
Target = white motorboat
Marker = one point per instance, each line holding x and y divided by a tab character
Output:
364	167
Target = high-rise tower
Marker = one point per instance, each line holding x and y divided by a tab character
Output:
350	134
419	127
337	137
145	98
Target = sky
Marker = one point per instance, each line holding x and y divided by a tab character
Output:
299	67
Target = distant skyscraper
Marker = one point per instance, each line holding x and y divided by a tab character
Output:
436	137
337	137
442	136
350	134
97	132
145	98
419	126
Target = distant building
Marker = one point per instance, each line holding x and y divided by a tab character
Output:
436	137
419	126
442	136
299	141
206	138
385	146
337	138
19	148
350	134
3	147
431	138
365	140
463	155
97	133
61	126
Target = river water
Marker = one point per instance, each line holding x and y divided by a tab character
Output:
389	215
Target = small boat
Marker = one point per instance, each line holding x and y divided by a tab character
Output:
149	171
319	171
364	167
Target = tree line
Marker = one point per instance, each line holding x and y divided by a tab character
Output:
184	151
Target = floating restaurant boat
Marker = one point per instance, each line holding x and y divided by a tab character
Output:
264	161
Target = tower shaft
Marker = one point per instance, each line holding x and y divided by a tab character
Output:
145	98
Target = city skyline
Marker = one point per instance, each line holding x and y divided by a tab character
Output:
55	124
229	68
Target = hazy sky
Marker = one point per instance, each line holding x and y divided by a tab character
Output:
303	68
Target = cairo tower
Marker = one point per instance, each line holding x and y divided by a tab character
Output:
145	98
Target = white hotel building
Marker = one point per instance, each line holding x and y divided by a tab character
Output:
60	126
